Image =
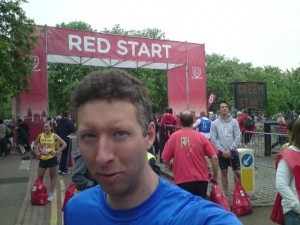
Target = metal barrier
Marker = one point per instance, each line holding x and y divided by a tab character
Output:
266	146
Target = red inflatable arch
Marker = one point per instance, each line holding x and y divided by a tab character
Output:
184	61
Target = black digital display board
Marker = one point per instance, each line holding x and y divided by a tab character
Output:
250	95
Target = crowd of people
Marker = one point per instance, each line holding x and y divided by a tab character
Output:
119	143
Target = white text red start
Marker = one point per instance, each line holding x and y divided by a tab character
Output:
133	48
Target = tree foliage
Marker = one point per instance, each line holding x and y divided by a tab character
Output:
16	43
222	72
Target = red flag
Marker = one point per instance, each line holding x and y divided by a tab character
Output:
211	99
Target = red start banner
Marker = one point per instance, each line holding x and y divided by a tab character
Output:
185	63
98	45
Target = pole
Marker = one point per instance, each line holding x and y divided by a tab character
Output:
46	69
187	78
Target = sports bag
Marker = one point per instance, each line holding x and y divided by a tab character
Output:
241	204
39	193
248	123
218	196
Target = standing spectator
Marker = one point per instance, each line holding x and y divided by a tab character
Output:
288	178
65	128
25	127
211	116
289	129
45	147
225	135
296	115
115	130
203	125
280	118
246	131
22	140
282	133
167	127
188	148
261	118
169	121
289	116
4	132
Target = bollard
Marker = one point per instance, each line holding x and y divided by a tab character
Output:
247	170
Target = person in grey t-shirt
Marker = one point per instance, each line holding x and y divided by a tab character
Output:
225	135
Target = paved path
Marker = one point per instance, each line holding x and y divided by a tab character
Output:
16	208
16	180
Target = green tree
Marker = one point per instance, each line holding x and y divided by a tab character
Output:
294	86
221	72
149	32
16	43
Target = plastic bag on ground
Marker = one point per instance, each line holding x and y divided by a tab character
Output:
39	193
218	196
241	204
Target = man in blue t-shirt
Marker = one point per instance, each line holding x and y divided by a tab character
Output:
203	125
115	130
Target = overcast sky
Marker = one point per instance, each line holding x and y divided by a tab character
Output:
262	32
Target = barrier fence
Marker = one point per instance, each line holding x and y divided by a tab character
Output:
266	146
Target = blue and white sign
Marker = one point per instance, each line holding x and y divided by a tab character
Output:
247	160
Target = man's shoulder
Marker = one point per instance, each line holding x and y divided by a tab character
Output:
90	193
216	121
191	209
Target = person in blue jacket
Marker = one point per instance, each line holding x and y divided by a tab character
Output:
115	130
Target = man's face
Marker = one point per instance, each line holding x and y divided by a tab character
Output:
112	144
223	111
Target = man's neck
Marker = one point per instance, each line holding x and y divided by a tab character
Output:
191	127
142	192
224	117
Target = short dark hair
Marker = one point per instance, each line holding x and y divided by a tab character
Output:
221	102
244	110
112	85
66	114
168	110
186	118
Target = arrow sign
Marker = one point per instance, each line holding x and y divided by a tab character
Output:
247	160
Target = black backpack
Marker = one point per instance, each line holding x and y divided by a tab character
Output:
249	123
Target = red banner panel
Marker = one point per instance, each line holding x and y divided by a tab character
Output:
187	84
33	107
